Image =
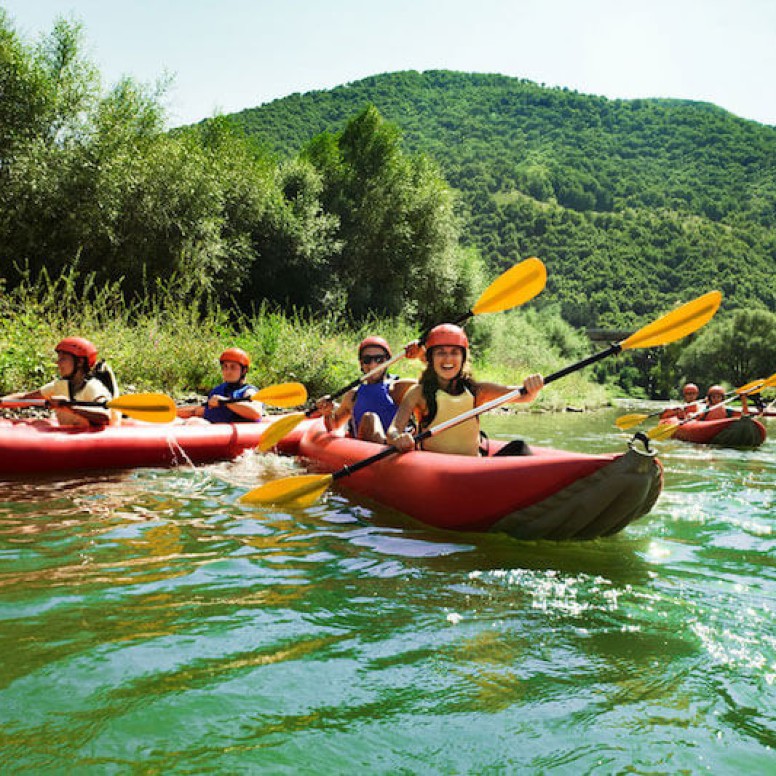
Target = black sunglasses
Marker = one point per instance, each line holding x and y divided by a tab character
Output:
373	359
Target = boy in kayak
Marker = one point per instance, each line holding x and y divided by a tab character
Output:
78	381
369	408
446	390
714	399
690	393
229	402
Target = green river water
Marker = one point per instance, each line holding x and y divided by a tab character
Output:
151	624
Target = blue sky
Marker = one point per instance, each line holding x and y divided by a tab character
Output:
227	55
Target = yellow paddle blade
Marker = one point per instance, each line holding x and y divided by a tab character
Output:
629	421
302	491
514	287
753	387
280	428
152	407
662	431
282	395
677	324
769	382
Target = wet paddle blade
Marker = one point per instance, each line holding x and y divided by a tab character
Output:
630	421
279	429
282	395
302	491
514	287
151	407
752	387
677	324
662	431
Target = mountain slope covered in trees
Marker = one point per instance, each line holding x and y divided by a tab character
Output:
632	204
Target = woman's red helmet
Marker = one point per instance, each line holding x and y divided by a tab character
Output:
716	389
447	334
374	342
79	348
690	388
238	355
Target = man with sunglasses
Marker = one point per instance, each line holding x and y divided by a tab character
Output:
369	408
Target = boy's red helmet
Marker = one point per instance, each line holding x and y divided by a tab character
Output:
716	389
374	342
79	348
447	334
238	355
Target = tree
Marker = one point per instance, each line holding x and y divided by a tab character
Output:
735	349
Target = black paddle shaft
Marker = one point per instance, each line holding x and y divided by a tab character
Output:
613	350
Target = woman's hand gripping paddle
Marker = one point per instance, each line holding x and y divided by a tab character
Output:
304	490
515	287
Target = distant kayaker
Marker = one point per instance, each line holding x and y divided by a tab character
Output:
446	390
229	402
690	393
369	408
81	378
716	410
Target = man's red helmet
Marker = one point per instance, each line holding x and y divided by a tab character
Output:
374	342
238	355
80	348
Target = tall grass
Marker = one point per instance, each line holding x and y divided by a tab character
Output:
170	341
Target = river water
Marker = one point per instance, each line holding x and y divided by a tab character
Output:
151	624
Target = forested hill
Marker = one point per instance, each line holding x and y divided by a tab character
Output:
627	201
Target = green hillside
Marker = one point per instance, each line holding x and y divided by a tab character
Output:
631	203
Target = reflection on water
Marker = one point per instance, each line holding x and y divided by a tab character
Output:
150	622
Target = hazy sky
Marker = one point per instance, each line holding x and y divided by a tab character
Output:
226	55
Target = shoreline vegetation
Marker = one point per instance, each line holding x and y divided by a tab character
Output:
169	340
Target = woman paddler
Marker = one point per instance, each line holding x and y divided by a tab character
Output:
446	390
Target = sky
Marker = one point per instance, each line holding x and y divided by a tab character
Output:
228	55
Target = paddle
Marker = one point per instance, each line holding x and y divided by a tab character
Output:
626	422
305	490
515	287
280	395
667	430
152	407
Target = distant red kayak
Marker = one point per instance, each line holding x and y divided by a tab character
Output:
728	432
551	494
28	447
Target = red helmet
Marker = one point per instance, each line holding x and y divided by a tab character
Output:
690	387
447	334
79	348
238	355
374	342
716	389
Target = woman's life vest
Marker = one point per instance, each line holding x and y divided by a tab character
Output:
376	398
222	413
463	439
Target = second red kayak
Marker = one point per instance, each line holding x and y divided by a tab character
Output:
727	432
550	494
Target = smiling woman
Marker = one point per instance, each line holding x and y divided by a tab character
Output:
447	390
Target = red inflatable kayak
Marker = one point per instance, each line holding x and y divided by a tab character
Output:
550	494
728	432
42	446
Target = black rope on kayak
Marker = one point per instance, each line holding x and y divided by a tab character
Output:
640	436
